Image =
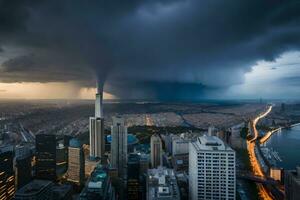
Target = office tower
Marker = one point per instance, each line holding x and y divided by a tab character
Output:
133	183
97	141
162	184
156	151
23	165
180	145
98	186
168	142
119	146
36	189
292	184
76	162
45	156
7	176
211	169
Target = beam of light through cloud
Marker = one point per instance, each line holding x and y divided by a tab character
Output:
275	79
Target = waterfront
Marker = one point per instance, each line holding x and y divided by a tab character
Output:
287	143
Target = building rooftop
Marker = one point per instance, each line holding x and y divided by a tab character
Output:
162	184
210	143
131	139
34	187
75	143
98	186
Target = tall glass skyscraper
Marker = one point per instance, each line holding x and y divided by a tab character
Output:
119	146
97	141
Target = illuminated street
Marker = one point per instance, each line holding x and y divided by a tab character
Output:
256	167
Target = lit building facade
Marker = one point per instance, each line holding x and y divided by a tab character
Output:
76	164
7	176
211	169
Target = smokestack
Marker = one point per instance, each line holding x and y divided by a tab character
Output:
98	103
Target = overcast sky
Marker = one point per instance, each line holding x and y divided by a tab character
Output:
158	49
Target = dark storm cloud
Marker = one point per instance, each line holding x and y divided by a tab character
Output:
157	45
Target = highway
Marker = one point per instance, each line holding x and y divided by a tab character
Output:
256	167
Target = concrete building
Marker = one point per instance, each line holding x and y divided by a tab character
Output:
46	156
76	162
292	184
35	190
180	162
96	127
276	173
156	151
119	146
211	169
7	176
162	184
180	145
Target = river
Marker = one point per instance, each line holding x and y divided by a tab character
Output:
287	143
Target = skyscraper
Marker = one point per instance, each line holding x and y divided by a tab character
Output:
97	142
76	162
119	146
46	156
156	151
211	169
7	177
23	165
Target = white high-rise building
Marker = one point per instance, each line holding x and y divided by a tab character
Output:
156	151
97	141
119	146
211	169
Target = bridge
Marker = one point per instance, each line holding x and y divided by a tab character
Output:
257	179
268	135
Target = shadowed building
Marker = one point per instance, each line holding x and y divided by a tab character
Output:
292	184
119	146
133	182
46	157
